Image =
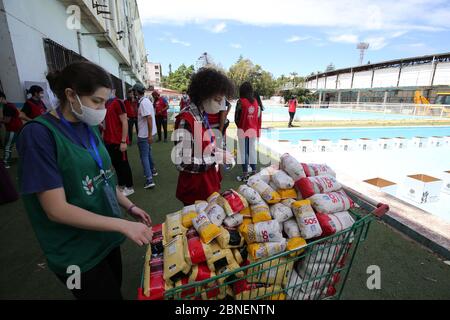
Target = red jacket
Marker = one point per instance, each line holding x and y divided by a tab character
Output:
131	108
15	124
159	107
250	121
112	133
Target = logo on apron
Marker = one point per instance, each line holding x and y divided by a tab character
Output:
88	186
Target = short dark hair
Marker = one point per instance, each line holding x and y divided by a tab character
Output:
2	95
246	91
207	83
83	77
35	89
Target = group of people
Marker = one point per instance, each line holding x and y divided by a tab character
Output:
74	173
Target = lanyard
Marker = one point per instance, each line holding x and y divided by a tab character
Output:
206	122
93	151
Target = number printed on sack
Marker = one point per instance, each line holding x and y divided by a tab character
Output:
265	235
310	221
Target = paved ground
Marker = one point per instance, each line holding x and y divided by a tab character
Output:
407	270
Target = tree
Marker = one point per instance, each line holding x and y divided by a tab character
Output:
179	79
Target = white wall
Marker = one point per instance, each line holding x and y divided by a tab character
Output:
416	76
384	78
321	83
345	81
331	82
362	79
442	75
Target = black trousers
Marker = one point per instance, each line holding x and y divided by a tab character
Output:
132	122
291	116
103	282
120	163
161	124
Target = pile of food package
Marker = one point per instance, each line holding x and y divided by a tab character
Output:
281	208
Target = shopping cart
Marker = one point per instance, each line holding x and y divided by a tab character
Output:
317	271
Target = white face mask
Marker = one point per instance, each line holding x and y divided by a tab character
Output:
88	115
211	106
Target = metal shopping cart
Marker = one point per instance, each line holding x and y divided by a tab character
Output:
316	271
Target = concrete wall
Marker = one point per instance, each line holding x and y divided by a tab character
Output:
345	81
362	79
416	76
331	82
442	75
384	78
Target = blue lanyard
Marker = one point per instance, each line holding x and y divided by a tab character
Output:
93	151
206	122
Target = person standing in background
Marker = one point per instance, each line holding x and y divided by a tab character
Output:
292	104
185	101
161	106
33	107
115	135
13	125
131	106
147	129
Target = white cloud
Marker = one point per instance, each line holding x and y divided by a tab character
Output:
297	38
344	38
376	43
361	15
236	45
218	28
183	43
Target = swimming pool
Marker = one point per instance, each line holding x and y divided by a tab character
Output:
335	134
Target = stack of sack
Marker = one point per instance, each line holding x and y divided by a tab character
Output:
281	208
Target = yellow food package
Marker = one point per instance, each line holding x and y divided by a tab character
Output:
173	226
216	257
176	261
229	239
240	255
213	198
255	290
244	223
296	243
288	193
266	192
265	250
246	213
207	230
260	212
232	266
188	213
275	272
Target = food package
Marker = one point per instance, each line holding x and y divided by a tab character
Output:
331	202
334	223
216	214
275	272
265	175
288	193
315	185
208	231
310	271
154	284
273	186
233	221
280	212
214	197
244	222
313	170
217	258
188	213
198	251
240	255
288	202
292	167
233	202
267	231
250	194
291	228
231	267
266	192
176	259
246	213
306	219
249	291
229	239
260	213
282	180
173	226
157	243
265	250
294	244
201	205
192	233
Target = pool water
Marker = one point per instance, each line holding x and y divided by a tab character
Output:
335	134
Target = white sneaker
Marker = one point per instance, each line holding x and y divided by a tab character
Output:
128	192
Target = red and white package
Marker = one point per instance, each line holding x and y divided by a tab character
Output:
331	202
334	223
313	170
196	250
234	202
292	167
157	283
315	185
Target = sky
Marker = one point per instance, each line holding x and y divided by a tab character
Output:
286	36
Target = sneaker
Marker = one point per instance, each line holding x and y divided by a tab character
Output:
155	173
149	185
243	178
7	166
128	192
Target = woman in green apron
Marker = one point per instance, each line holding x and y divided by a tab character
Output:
69	188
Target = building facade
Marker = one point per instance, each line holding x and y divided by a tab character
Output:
46	35
154	71
393	81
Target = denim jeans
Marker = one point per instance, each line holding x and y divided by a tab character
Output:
247	150
145	151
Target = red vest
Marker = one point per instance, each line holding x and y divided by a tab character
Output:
15	124
37	108
250	122
112	133
159	106
131	107
197	186
292	105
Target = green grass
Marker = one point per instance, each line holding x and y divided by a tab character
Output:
407	270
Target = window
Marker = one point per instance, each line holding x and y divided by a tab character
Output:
156	67
157	73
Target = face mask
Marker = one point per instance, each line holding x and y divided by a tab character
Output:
211	106
88	115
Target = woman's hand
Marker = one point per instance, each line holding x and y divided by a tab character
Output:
141	216
137	232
